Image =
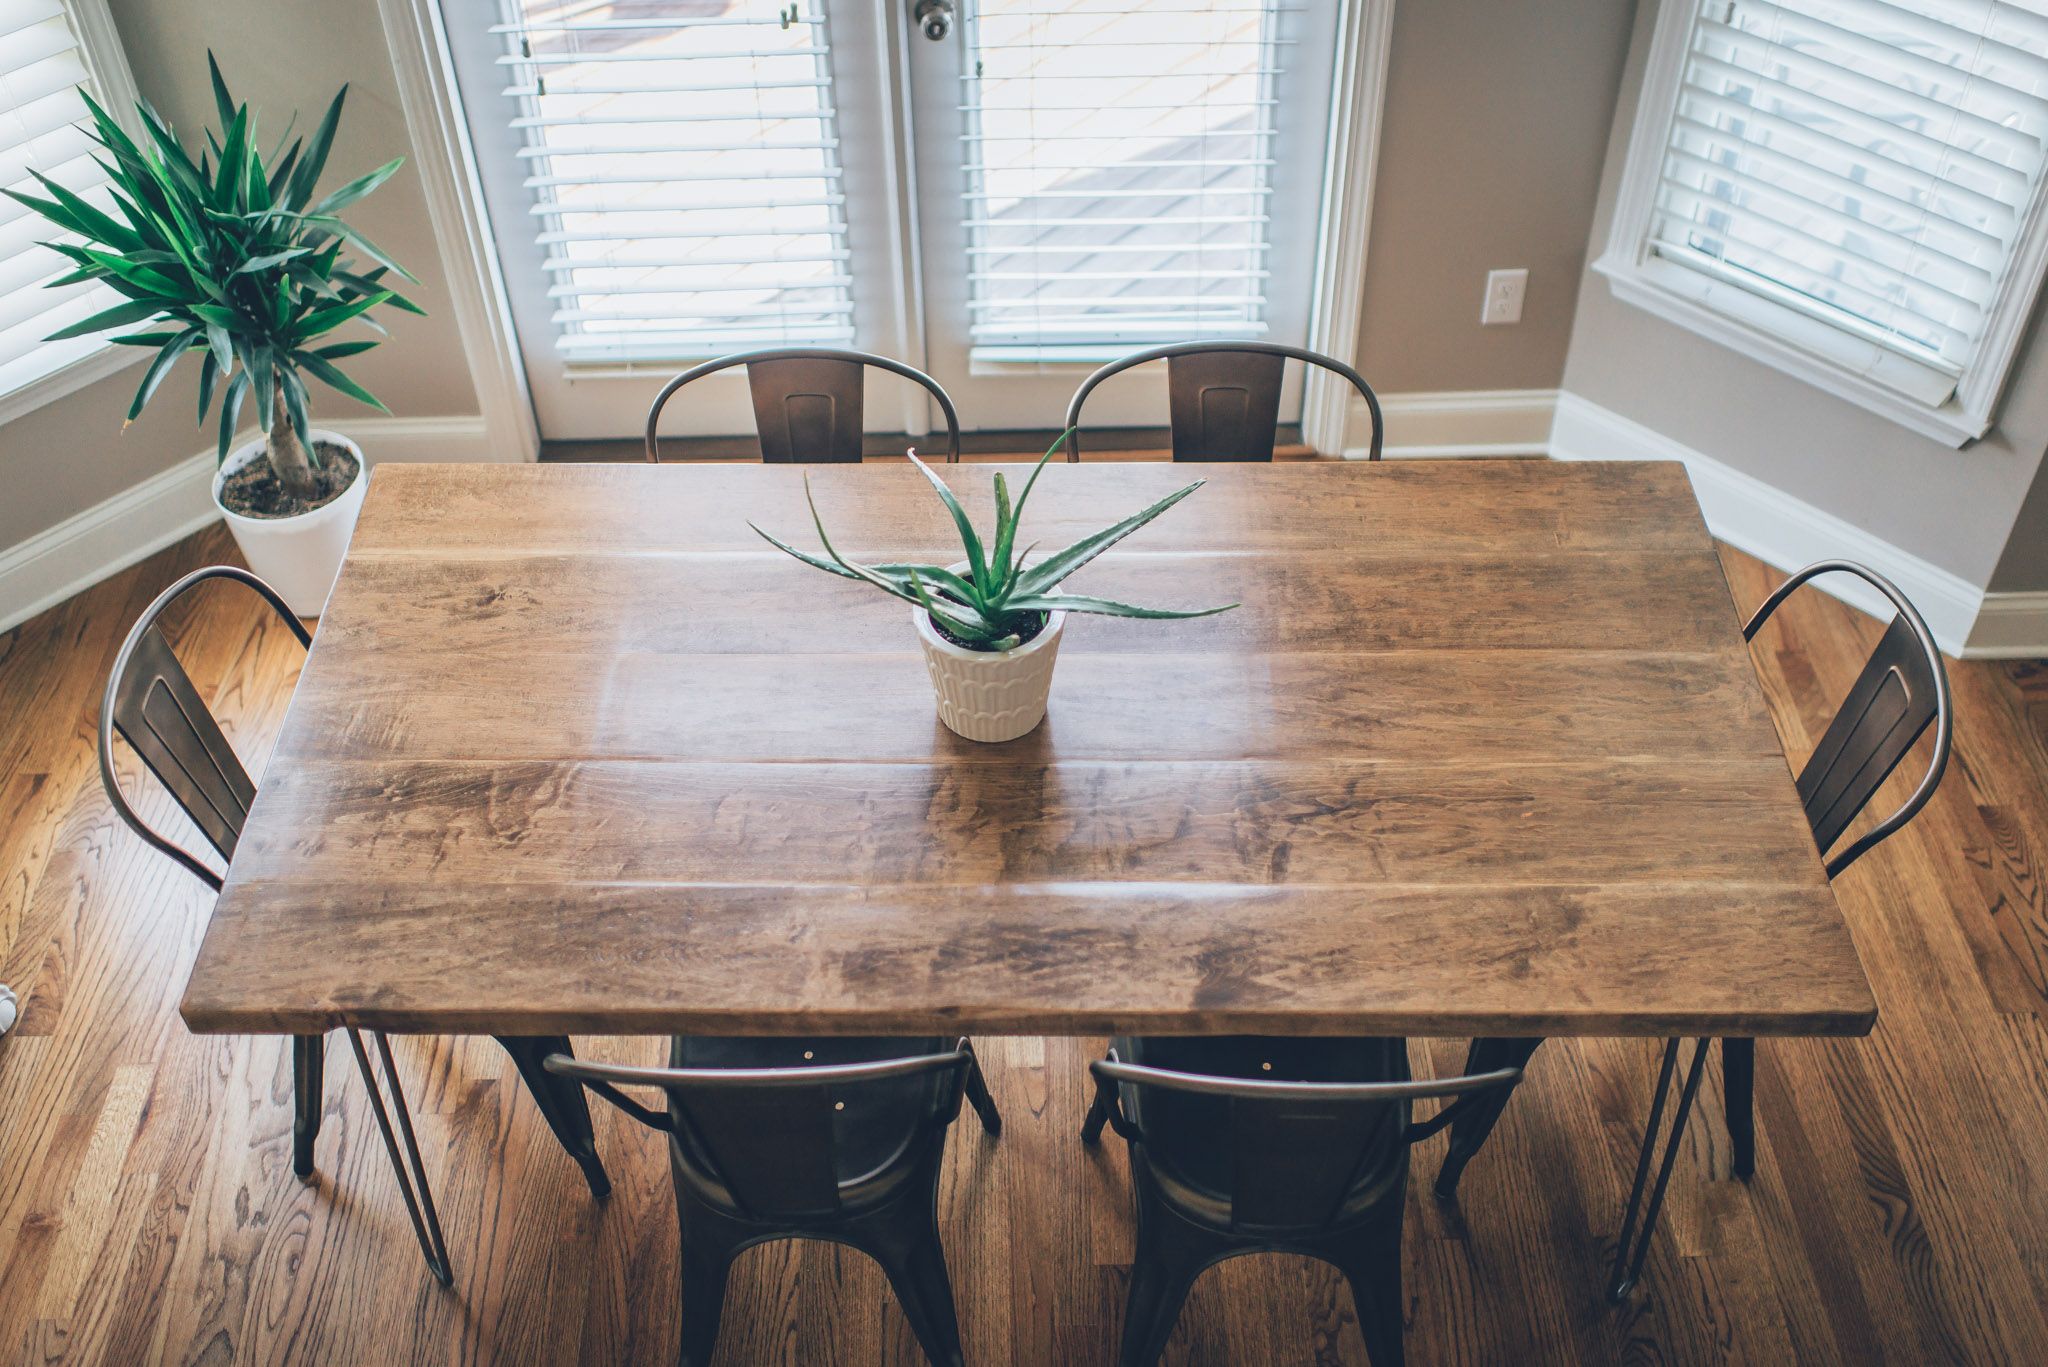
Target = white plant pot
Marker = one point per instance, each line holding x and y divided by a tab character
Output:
990	695
298	556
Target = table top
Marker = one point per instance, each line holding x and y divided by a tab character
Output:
1481	752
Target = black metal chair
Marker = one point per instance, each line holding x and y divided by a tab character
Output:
1902	690
151	703
808	402
835	1139
1243	1144
1223	398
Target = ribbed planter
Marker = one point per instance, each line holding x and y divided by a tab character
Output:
990	695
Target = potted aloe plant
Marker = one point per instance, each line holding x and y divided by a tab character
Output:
233	259
990	624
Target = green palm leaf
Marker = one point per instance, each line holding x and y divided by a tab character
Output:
215	246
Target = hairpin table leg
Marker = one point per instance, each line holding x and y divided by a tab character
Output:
411	1173
1631	1251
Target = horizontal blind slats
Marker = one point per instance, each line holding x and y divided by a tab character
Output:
1690	204
1151	232
1868	163
1877	133
683	176
16	15
1790	200
42	71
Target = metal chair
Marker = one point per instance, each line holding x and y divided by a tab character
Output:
835	1139
1244	1144
1902	690
1223	398
151	703
808	402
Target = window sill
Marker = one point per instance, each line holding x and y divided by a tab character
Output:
97	364
1639	284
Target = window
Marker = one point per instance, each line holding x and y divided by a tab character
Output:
1094	235
1849	190
49	51
682	162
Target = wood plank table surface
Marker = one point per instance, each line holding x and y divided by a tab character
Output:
1481	753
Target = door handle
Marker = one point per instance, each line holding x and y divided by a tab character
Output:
934	18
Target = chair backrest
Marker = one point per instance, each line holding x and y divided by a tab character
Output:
1223	398
1903	688
808	401
789	1144
151	703
1285	1156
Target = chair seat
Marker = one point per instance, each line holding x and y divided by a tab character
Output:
872	1126
1199	1158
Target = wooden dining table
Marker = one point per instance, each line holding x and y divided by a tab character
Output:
1481	752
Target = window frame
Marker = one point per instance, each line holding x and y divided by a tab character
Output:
106	61
1788	339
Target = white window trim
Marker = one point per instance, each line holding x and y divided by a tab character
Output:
1784	338
1365	42
99	44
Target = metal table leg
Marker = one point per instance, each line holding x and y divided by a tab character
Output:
1631	1251
561	1101
411	1173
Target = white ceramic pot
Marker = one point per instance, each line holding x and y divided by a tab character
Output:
990	695
298	556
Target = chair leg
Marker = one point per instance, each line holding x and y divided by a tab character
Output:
562	1103
1171	1254
309	1064
1469	1131
1098	1113
412	1185
1738	1087
1370	1259
709	1244
904	1239
979	1098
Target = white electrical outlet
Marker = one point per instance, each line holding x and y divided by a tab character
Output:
1504	291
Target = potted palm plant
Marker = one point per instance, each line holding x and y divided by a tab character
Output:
231	257
990	625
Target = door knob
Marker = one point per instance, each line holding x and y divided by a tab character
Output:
934	18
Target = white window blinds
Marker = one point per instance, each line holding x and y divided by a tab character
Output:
682	160
43	66
1119	158
1870	165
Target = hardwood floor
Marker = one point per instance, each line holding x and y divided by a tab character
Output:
148	1212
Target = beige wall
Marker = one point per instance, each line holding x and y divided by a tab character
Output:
2023	568
1951	508
280	56
1490	150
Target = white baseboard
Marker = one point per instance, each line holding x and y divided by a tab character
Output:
41	572
1456	423
1779	529
2010	626
108	537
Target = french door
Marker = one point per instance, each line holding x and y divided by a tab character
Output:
1002	192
